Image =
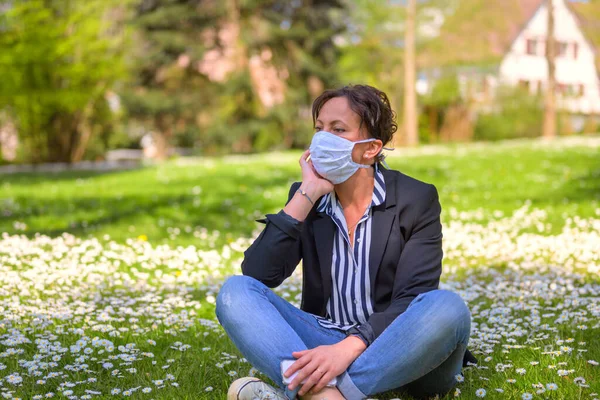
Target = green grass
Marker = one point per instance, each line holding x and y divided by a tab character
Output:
228	194
212	203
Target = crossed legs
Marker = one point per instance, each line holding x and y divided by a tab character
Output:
429	339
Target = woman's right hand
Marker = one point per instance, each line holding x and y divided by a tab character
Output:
313	185
312	182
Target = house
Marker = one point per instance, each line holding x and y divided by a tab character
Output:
577	79
504	43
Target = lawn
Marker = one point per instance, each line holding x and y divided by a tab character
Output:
108	280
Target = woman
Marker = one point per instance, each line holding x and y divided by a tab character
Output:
370	241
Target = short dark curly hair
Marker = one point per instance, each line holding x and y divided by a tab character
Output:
372	106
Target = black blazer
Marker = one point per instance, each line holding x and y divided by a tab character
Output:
405	256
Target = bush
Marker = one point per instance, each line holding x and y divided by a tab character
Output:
591	125
444	115
516	114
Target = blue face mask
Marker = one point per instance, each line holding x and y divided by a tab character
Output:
332	157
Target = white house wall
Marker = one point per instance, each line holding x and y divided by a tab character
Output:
574	74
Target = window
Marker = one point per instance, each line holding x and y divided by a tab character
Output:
575	50
531	47
570	90
562	48
523	84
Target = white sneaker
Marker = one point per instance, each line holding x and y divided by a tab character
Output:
253	389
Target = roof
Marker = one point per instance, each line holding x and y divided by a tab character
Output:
588	17
482	31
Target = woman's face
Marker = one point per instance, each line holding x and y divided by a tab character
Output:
338	118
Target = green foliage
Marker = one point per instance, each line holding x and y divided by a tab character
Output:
59	59
445	92
434	105
591	125
372	48
426	128
187	105
162	95
517	114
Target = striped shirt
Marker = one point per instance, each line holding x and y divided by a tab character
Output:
350	301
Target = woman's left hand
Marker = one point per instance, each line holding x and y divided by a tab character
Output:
320	365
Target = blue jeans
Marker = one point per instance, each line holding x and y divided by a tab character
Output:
420	352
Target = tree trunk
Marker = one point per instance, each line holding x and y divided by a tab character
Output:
161	146
410	96
457	125
234	17
434	129
84	133
61	131
549	127
162	136
85	128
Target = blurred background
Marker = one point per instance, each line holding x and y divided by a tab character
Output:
140	140
127	80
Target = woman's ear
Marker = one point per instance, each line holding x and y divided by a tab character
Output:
373	150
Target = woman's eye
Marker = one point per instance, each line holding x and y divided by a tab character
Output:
317	129
338	129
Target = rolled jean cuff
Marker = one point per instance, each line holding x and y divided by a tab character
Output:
291	394
348	388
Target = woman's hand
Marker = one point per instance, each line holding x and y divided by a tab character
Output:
321	364
313	186
312	182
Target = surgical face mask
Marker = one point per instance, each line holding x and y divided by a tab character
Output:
332	156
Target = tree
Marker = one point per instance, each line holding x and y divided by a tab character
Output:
371	48
60	59
236	75
167	90
375	48
549	125
410	95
